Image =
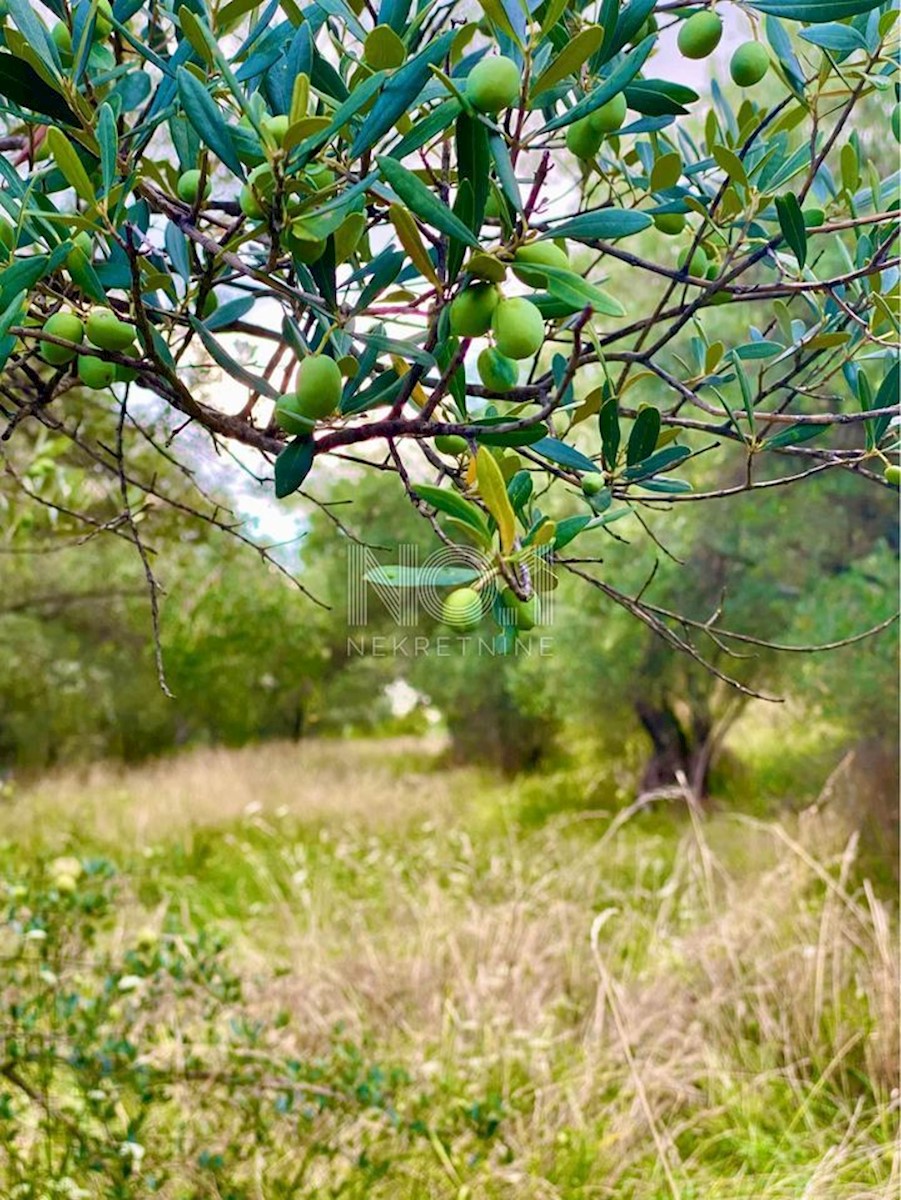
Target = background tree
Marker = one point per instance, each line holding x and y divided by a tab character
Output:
379	234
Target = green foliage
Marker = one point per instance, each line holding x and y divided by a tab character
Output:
248	197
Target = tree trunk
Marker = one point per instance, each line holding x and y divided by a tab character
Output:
676	749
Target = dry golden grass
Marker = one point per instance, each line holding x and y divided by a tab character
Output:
686	1007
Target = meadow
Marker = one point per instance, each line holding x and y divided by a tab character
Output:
324	970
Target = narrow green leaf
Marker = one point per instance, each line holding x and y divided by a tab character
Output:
293	466
573	289
729	162
422	201
493	491
223	359
70	164
455	505
108	141
644	435
400	93
203	113
605	225
791	222
570	58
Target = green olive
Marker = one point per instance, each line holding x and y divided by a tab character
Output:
749	64
472	310
462	609
583	140
699	36
542	253
493	83
451	444
518	328
95	372
497	373
62	325
610	116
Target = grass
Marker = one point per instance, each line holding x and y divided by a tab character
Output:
526	1002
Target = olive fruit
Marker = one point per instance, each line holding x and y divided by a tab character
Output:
493	84
497	373
125	374
592	484
103	23
105	330
749	64
812	217
63	325
318	386
276	127
62	39
188	187
670	223
544	253
462	609
526	613
518	328
610	116
256	191
582	139
699	36
697	265
892	475
471	311
95	372
305	249
451	444
288	415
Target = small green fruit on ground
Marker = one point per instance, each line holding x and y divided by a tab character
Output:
472	310
497	372
592	484
451	444
749	64
892	475
65	884
610	116
518	328
188	187
288	415
582	139
276	127
104	329
670	223
493	84
62	325
462	609
542	253
319	386
697	266
699	36
94	372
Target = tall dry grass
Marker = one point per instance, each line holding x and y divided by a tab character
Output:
678	1007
